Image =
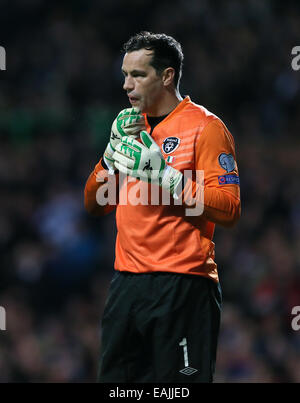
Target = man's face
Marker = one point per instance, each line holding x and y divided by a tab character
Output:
142	83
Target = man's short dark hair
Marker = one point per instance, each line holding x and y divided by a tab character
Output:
167	52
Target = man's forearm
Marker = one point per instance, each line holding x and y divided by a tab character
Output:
96	180
221	207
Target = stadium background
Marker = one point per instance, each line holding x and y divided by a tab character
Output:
58	97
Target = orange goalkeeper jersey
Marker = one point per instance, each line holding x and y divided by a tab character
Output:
162	237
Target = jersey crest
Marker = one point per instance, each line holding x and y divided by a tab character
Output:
170	144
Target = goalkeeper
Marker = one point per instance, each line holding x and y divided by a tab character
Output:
162	315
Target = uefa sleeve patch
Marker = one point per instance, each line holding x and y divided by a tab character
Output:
228	180
227	162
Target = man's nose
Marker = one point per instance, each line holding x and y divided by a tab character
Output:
128	84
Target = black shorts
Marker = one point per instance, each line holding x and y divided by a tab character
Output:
160	327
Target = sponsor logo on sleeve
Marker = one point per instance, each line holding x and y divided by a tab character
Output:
229	180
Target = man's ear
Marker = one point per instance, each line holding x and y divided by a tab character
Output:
168	76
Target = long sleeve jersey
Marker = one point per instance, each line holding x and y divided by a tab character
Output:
162	237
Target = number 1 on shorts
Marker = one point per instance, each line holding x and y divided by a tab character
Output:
183	343
187	370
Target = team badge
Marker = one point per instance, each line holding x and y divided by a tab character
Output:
227	162
170	144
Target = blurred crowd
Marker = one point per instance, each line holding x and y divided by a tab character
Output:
58	98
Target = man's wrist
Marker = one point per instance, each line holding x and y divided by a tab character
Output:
103	163
108	165
171	180
108	162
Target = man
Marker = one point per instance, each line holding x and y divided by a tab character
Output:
161	319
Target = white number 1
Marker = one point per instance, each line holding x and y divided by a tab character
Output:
183	343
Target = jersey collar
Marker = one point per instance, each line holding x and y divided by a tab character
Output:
174	112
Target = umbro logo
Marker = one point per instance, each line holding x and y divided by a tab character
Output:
188	371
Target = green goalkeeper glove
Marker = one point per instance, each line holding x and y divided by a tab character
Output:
129	122
146	162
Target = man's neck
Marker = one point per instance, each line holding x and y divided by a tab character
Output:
167	104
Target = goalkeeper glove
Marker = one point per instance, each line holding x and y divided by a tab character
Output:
146	162
129	122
